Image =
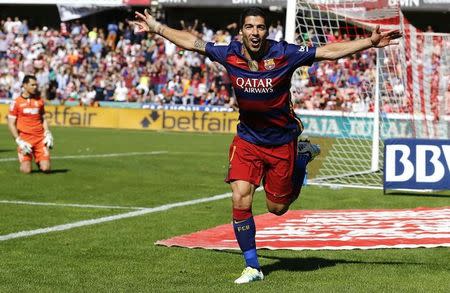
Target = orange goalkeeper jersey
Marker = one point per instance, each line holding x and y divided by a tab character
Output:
29	116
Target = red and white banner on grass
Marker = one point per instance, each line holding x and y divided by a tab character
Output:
333	230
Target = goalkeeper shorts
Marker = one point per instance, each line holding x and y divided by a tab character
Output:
40	151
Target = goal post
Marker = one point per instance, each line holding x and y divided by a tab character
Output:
396	91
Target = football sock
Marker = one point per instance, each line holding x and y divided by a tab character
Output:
245	231
300	166
299	174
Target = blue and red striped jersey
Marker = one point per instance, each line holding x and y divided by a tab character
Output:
266	115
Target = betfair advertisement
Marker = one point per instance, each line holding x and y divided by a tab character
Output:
223	122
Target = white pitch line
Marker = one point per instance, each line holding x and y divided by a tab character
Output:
77	205
111	155
122	155
34	203
96	156
112	218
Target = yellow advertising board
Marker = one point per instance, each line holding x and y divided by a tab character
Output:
220	122
4	114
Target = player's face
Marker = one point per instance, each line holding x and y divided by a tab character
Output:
254	33
31	87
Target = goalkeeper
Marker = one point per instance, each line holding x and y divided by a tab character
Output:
29	128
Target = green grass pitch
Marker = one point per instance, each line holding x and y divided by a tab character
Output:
119	256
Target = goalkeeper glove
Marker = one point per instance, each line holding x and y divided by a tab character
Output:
23	145
48	139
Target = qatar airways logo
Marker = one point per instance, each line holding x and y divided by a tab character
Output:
255	85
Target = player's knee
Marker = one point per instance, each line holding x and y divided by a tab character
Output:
278	210
241	201
45	168
242	195
25	170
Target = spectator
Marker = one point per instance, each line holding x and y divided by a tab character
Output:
3	45
120	92
82	64
113	30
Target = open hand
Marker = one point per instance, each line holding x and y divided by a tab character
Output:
382	39
145	23
48	139
24	146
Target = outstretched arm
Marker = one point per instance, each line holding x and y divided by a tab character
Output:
338	50
147	23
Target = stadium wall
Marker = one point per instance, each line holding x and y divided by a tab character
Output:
339	124
317	123
167	120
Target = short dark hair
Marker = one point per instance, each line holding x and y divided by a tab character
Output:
252	11
27	78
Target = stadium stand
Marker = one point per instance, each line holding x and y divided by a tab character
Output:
90	64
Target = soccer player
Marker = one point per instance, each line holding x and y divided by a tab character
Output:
29	128
265	147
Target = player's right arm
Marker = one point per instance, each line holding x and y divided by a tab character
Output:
23	145
12	119
12	126
147	23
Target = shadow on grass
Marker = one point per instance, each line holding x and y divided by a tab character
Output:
314	263
7	150
298	264
444	193
55	171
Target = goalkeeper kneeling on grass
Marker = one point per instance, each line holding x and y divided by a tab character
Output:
29	128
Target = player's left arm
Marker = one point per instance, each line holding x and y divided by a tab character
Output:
45	124
48	137
378	39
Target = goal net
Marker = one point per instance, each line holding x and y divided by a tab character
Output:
397	91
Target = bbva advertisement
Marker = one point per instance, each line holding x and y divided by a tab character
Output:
417	164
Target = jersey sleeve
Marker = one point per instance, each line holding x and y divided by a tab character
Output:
217	53
13	110
299	55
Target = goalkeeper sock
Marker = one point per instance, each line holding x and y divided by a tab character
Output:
245	231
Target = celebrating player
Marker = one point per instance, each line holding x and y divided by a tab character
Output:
29	128
265	147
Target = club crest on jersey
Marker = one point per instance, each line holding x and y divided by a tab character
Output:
269	64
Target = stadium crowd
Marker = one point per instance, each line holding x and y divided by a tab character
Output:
111	63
